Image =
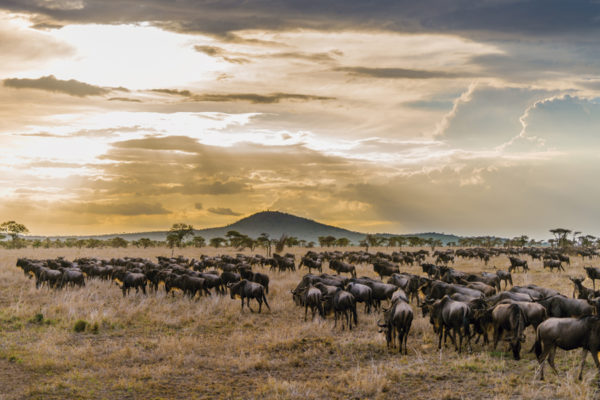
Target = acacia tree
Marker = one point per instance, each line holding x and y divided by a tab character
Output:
217	242
178	233
265	242
561	236
14	229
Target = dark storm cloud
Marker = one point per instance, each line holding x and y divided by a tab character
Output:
399	73
254	98
51	84
535	17
223	211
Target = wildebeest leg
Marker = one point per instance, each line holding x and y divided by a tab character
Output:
335	317
583	357
259	304
248	304
266	302
306	311
144	289
551	355
441	333
242	304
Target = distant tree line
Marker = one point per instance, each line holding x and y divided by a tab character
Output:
183	235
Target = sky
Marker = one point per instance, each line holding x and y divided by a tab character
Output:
468	117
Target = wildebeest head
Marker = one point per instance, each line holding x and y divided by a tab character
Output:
236	288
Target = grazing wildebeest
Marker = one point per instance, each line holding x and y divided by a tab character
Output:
72	277
310	297
362	294
504	276
342	302
510	318
552	264
535	313
492	301
516	263
385	268
447	314
397	319
130	280
249	290
593	273
340	266
568	334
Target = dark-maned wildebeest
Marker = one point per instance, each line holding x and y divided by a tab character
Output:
512	319
311	297
362	294
552	264
257	277
593	273
342	303
130	280
516	263
582	291
249	290
535	313
340	266
72	277
397	322
505	276
560	306
449	315
431	270
567	334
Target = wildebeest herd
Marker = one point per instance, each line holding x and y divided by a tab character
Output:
464	307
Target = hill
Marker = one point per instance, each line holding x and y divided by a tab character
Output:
274	223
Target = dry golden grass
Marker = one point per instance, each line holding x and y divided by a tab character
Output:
159	347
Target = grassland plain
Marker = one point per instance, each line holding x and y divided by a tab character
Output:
164	347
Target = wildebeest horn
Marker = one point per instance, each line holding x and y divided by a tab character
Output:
230	284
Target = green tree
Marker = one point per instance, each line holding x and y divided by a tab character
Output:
326	241
14	229
117	242
178	233
217	242
342	242
265	242
198	241
560	235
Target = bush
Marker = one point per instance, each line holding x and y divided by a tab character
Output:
37	318
80	325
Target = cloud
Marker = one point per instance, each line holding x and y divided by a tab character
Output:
519	17
218	52
250	97
125	99
50	83
223	211
399	73
129	209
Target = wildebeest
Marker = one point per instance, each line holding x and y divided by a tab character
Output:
567	334
72	277
505	276
559	306
449	315
552	264
257	277
362	294
249	290
342	303
130	280
582	291
593	273
510	318
385	268
516	263
311	297
397	321
340	266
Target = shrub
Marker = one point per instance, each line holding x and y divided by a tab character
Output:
80	325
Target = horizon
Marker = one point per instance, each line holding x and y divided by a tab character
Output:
470	118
